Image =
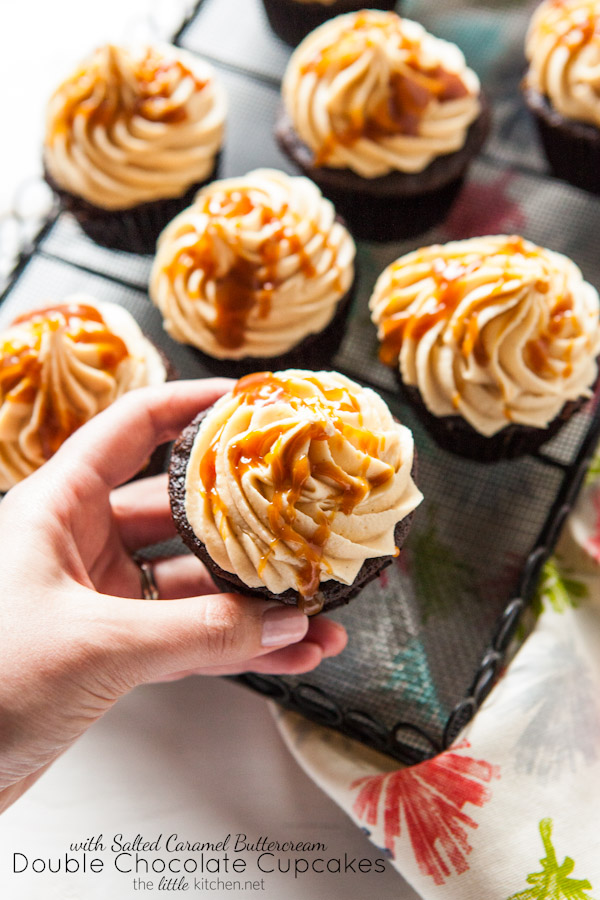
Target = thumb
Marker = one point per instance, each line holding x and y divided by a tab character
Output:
150	639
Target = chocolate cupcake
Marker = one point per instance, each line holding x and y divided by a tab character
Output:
256	274
292	20
59	367
494	340
296	486
130	137
385	118
561	87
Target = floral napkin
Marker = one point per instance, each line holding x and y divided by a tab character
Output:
512	810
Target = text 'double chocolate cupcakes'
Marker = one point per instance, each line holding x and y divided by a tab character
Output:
494	340
296	486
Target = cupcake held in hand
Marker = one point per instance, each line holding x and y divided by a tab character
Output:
296	486
494	339
59	367
257	273
562	88
130	136
385	118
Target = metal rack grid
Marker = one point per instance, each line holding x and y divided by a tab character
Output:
428	638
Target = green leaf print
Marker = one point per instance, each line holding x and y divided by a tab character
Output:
441	578
553	883
560	591
593	473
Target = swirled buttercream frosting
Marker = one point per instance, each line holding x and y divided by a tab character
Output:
134	126
59	366
254	266
563	49
375	93
298	477
493	329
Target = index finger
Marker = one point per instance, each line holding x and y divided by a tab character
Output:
116	443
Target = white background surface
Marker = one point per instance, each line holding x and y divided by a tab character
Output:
202	757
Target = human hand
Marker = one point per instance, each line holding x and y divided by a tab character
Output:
75	634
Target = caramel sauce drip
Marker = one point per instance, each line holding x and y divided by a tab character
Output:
408	95
23	378
449	277
291	465
538	351
449	291
101	102
579	29
248	284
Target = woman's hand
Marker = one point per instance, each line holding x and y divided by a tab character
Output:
75	635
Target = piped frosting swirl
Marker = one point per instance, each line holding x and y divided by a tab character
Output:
254	266
133	126
298	477
375	93
59	366
494	329
563	49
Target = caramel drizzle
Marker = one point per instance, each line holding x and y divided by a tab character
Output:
249	284
409	93
23	378
450	277
101	101
290	464
580	27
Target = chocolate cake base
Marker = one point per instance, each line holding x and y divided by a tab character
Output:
292	20
334	593
572	148
314	352
394	206
134	230
455	434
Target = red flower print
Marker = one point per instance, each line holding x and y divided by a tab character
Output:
428	801
592	543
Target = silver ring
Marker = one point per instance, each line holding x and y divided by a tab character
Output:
147	579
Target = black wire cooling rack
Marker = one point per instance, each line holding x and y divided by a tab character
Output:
428	638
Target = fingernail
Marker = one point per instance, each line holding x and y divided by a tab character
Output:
283	625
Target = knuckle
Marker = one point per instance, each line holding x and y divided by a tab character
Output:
225	629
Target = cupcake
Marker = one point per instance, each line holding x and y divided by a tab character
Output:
293	19
130	136
256	274
494	340
296	487
385	118
562	88
59	366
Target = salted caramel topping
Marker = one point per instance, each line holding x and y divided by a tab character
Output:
147	91
296	478
133	125
250	282
563	49
253	255
494	328
291	463
373	80
22	376
451	283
